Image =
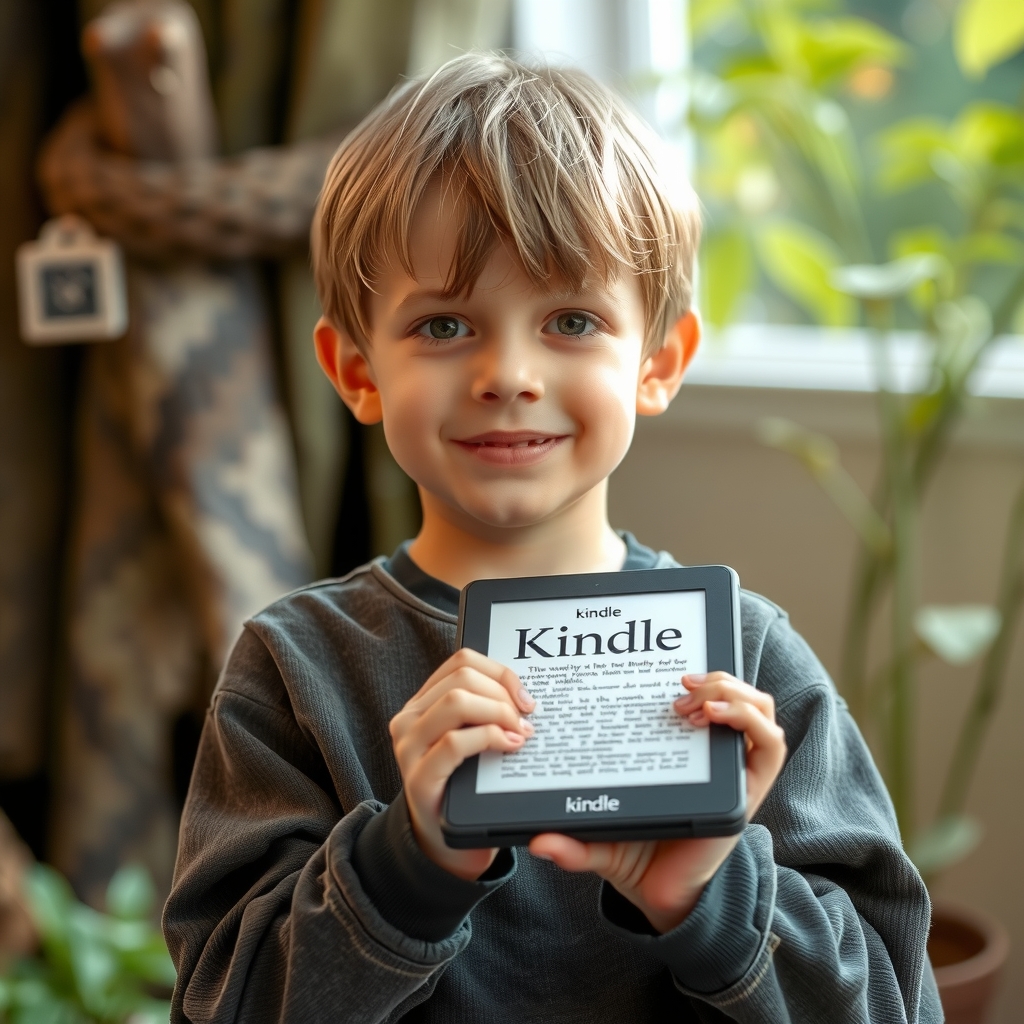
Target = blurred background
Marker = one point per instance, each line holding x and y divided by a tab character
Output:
850	438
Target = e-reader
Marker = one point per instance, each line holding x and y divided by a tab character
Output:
603	654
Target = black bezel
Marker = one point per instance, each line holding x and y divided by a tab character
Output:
470	820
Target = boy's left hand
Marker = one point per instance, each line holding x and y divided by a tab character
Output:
665	878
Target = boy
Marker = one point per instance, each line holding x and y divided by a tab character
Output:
505	275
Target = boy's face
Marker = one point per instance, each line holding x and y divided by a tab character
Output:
510	405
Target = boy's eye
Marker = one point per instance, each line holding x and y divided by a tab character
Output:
442	328
572	324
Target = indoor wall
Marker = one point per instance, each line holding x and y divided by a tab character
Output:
699	484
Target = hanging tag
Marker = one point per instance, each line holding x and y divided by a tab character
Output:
71	285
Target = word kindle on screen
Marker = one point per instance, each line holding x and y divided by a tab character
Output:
603	654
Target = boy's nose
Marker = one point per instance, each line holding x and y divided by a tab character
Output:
506	374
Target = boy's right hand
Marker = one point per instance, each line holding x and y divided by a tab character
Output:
470	704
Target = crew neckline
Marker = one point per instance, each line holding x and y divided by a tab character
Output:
444	597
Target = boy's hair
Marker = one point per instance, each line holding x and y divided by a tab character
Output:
545	159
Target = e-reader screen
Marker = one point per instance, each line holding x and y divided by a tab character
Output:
603	655
604	672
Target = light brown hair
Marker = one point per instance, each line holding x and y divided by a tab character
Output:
544	158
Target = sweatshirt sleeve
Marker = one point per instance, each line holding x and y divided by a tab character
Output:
407	887
817	913
268	920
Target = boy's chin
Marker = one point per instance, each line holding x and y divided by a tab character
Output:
513	512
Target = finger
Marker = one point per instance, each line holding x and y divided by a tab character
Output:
459	708
464	657
744	717
722	686
456	710
468	658
436	766
465	678
767	751
619	863
570	854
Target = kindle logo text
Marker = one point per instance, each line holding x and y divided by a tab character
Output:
625	641
576	804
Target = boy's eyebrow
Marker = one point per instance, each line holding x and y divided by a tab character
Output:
437	294
440	295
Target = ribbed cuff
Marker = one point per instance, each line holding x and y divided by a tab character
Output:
716	944
408	889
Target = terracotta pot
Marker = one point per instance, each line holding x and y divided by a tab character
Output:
967	949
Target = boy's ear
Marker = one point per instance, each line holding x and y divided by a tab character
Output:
662	373
348	370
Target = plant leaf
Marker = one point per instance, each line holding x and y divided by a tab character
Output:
821	50
965	327
50	899
989	133
818	453
923	410
906	149
991	247
950	839
987	32
800	261
957	633
130	894
887	280
728	269
152	964
32	1002
927	238
833	47
127	936
95	968
820	456
154	1012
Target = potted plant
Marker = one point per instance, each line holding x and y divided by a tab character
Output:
779	170
90	967
966	947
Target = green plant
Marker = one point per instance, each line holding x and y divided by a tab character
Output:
108	968
778	164
774	91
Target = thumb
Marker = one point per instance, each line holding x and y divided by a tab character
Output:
568	854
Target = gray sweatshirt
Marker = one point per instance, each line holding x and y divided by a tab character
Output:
300	893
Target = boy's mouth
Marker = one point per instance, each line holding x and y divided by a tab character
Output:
510	447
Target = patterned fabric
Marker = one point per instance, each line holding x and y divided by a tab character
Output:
187	517
134	650
186	522
208	420
257	204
